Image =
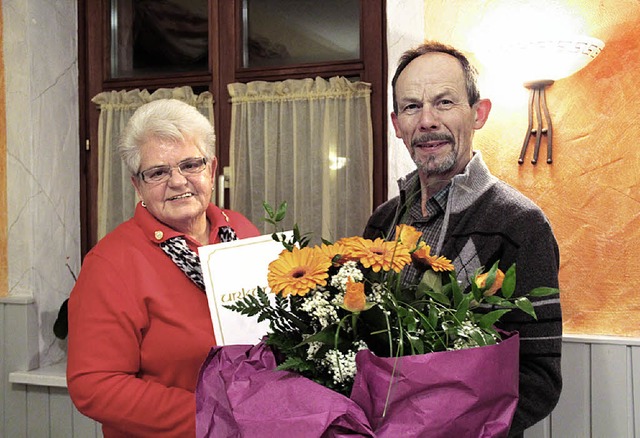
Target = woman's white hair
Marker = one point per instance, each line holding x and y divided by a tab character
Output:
167	120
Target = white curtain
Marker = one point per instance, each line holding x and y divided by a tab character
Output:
116	195
308	142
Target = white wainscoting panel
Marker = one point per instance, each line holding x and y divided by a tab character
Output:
33	404
601	391
600	397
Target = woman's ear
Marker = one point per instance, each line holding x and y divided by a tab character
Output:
482	109
214	166
135	181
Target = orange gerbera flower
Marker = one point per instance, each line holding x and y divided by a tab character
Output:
408	236
349	244
481	281
380	254
297	272
422	256
332	251
354	298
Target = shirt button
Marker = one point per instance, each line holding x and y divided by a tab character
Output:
159	235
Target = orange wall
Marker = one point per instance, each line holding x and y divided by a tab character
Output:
591	192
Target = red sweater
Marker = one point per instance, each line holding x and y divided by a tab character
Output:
139	330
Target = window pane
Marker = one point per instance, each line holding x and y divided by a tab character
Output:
287	32
150	37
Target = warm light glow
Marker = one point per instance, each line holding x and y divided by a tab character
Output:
542	59
532	42
337	163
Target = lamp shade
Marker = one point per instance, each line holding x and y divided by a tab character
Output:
543	59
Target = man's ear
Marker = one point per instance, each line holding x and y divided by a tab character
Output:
394	121
482	109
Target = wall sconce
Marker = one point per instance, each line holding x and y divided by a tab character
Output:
553	60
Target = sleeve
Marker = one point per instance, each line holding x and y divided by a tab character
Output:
381	223
537	265
105	331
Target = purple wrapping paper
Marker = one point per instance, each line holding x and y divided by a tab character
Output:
464	393
240	394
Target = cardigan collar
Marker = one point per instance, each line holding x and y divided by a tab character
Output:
158	232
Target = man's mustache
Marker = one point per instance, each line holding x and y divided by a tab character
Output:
432	137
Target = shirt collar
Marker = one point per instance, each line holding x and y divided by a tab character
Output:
440	198
158	232
436	205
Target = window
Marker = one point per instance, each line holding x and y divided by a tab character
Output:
208	44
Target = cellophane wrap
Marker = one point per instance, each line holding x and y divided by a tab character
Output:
464	393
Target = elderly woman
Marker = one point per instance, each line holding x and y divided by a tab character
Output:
139	323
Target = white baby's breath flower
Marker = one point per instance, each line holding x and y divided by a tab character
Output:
462	343
342	366
317	305
360	345
465	336
312	349
348	270
338	299
377	293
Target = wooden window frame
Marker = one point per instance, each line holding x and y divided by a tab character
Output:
225	44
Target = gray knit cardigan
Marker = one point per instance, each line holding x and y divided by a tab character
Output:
487	220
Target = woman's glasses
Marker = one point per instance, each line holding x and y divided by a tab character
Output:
159	174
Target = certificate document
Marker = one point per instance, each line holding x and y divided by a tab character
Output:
231	270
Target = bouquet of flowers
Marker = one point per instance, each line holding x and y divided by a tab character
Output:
344	318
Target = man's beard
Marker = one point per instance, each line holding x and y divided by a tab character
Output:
431	166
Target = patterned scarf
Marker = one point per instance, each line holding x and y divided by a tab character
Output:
187	260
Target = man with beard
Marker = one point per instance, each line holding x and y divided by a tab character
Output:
468	215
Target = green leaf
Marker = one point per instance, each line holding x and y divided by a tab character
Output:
304	242
296	233
491	278
509	282
491	332
417	346
268	209
410	322
479	337
295	364
326	336
282	211
433	317
544	291
489	319
463	308
488	339
493	299
499	301
476	292
440	298
455	289
431	280
525	305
